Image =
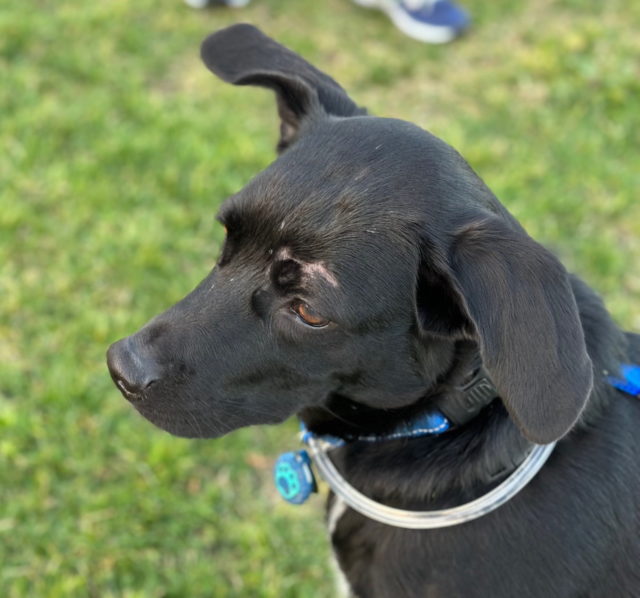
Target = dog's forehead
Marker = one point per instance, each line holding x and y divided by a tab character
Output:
343	176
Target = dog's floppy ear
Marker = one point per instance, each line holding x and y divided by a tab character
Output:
514	297
243	55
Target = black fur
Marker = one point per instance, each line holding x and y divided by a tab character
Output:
385	230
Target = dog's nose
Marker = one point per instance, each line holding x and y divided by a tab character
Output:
132	371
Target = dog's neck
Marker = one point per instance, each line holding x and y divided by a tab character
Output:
346	418
427	472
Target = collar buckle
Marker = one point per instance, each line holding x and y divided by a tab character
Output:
470	399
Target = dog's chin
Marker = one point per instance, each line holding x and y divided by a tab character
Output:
181	421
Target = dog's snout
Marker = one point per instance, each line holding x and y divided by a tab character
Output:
132	369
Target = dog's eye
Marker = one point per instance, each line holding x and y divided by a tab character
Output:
308	315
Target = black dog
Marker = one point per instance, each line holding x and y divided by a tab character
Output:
362	273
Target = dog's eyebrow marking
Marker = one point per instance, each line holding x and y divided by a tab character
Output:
319	269
311	269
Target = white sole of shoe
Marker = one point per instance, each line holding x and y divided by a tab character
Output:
205	3
431	34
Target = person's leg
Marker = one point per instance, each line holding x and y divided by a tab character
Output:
431	21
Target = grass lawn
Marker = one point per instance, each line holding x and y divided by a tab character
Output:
117	148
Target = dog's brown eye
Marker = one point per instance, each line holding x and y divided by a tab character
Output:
308	315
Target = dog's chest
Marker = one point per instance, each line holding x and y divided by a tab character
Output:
334	513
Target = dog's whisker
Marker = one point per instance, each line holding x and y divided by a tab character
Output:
196	423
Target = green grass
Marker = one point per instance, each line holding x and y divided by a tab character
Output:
117	148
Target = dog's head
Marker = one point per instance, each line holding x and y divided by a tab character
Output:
352	267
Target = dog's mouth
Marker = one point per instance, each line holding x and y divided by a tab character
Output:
127	393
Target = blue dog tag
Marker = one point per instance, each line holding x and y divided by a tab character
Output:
293	477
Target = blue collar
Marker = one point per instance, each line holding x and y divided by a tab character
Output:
473	396
429	424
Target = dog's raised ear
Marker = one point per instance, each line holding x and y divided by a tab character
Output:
514	297
243	55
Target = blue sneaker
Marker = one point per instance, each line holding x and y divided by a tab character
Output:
430	21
